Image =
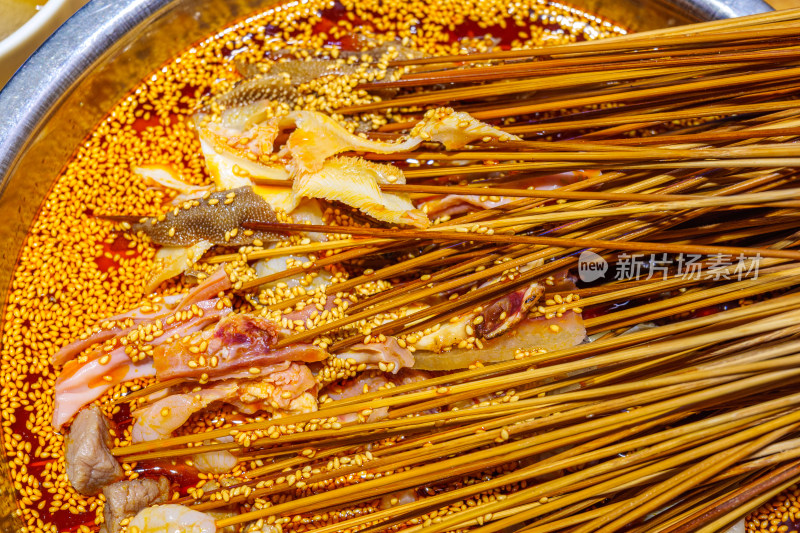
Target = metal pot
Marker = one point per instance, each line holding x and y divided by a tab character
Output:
67	86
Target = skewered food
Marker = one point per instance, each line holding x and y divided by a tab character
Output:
400	308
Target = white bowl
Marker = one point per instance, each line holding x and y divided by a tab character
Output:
18	46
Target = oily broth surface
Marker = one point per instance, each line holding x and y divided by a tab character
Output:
76	269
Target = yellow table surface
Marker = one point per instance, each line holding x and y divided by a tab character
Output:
783	4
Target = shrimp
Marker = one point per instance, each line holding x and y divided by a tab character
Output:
219	462
287	387
158	420
171	518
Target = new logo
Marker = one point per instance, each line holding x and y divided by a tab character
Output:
591	266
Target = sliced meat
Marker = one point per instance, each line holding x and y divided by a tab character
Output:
79	384
159	419
239	341
171	261
168	177
73	349
258	139
126	498
356	182
504	313
552	334
370	381
456	129
280	389
363	383
208	288
117	325
90	465
318	137
374	353
123	323
449	334
216	219
498	317
288	391
83	381
308	310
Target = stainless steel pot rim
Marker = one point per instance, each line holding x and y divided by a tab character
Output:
47	76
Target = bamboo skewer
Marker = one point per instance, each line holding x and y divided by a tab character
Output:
716	445
654	117
557	194
613	43
561	242
300	249
778	479
511	87
651	498
700	137
342	405
579	64
312	500
474	217
681	413
687	87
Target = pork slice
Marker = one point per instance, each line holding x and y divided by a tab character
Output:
126	498
239	341
503	314
375	353
90	465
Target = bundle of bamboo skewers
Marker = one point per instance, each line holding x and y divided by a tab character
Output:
683	426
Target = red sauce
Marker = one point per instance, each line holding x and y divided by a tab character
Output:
181	475
104	264
122	417
141	124
67	521
714	309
